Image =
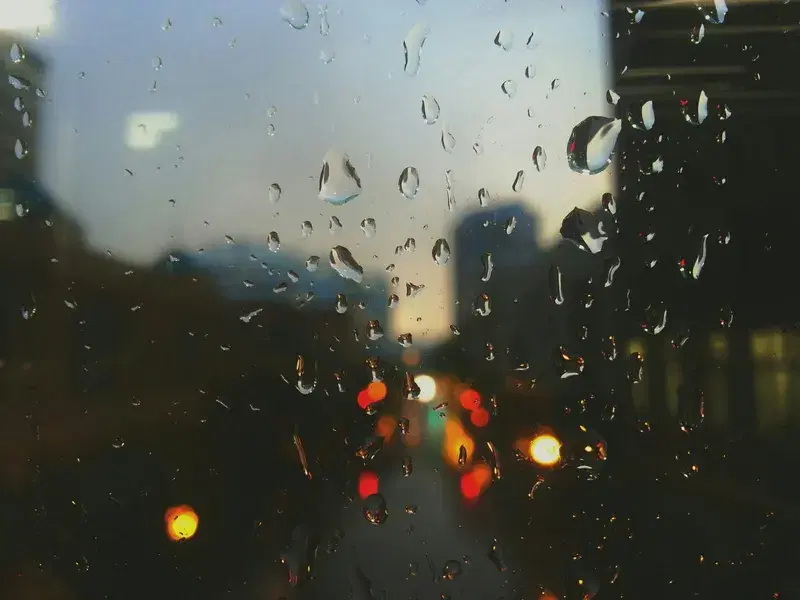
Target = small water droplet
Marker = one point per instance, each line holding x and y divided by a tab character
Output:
430	109
405	340
530	71
270	129
20	149
394	300
511	225
167	25
412	47
334	224
274	193
157	63
295	13
369	227
519	179
509	88
582	228
17	53
216	22
612	97
448	140
451	570
306	229
441	252
484	197
408	184
375	509
413	290
338	180
504	39
345	265
273	241
556	287
539	157
324	26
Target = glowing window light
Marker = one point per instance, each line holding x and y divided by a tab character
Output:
182	522
545	450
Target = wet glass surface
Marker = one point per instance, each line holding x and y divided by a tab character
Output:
398	300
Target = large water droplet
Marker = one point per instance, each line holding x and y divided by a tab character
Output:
582	228
441	252
295	13
274	193
412	46
338	181
509	87
369	227
345	265
716	14
273	241
539	157
504	39
430	109
408	184
375	509
592	143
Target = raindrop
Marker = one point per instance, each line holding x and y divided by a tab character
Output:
338	180
511	225
539	158
312	263
648	115
568	366
555	84
441	252
216	22
273	241
375	509
345	265
509	88
270	130
462	456
451	197
655	319
488	266
612	97
272	111
394	300
274	193
635	371
451	570
408	469
324	26
327	56
334	224
582	229
410	245
700	261
448	140
484	197
556	287
408	184
592	143
496	556
295	13
430	109
691	406
20	149
609	204
405	340
504	39
698	33
157	63
374	330
611	267
519	179
531	44
413	290
369	227
530	71
412	47
167	25
17	53
483	305
411	390
715	15
306	229
341	304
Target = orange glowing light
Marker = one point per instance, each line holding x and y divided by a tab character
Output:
469	399
411	357
367	484
181	521
385	427
475	482
376	391
454	438
479	417
545	450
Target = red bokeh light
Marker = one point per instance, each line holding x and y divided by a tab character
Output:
470	399
367	484
470	488
479	417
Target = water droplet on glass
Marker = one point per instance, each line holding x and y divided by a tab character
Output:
611	267
341	304
410	245
327	56
612	97
555	84
430	109
509	88
274	193
496	556
592	143
374	330
411	390
17	53
483	305
412	47
334	224
484	197
691	406
272	111
698	33
216	22
648	115
306	229
532	43
530	71
451	197
448	140
635	371
312	263
488	266
408	184
403	424
519	179
405	340
157	63
270	130
369	227
394	300
655	319
568	365
324	26
441	252
582	229
462	456
300	555
408	469
716	14
504	39
511	225
455	330
451	570
338	180
295	13
413	290
539	157
375	509
345	265
20	149
273	241
556	287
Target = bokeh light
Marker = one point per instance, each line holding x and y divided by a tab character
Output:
454	438
182	522
479	417
476	481
469	399
385	427
545	450
427	387
367	484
